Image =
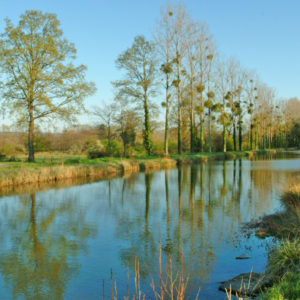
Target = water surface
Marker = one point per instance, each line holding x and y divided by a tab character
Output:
63	243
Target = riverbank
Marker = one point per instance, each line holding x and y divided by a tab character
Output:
53	168
283	266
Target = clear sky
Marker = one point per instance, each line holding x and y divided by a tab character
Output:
263	34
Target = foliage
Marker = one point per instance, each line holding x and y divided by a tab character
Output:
42	144
112	148
40	81
138	62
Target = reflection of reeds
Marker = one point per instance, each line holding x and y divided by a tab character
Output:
169	286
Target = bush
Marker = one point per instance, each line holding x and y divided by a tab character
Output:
173	147
41	144
114	148
92	145
8	150
158	148
139	149
74	149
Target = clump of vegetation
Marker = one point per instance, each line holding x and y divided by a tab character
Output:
284	259
171	285
287	288
283	266
284	269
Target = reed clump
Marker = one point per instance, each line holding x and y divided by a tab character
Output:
170	285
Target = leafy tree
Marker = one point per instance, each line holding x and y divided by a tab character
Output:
138	85
39	79
128	121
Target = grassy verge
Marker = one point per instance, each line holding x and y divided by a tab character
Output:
284	268
56	167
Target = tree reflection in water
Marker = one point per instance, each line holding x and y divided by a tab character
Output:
197	209
36	261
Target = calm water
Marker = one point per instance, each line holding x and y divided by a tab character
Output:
62	243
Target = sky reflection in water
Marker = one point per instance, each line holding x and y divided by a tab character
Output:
62	243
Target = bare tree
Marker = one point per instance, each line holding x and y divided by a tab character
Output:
163	37
106	114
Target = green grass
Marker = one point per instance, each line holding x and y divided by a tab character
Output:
284	259
288	288
49	167
284	269
53	159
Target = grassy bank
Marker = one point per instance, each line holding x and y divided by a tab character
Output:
52	168
284	224
284	269
283	265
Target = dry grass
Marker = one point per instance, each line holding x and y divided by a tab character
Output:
170	285
291	198
23	175
283	224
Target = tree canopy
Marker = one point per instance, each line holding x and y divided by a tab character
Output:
39	79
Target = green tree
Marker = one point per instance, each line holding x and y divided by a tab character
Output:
127	121
39	79
138	85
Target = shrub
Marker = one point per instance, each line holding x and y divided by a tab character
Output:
74	149
158	148
114	148
92	145
139	149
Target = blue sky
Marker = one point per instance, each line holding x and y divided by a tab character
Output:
263	34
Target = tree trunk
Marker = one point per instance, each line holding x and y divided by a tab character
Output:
166	144
179	128
31	136
251	136
179	116
201	134
234	137
209	128
147	134
179	104
192	132
192	121
224	139
240	137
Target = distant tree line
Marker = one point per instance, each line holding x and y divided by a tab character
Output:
214	104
